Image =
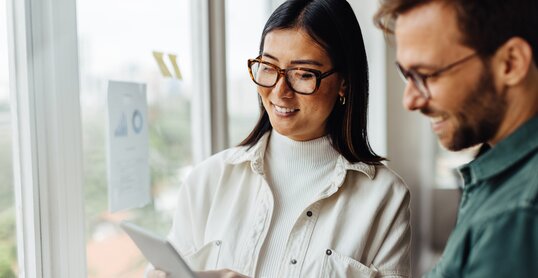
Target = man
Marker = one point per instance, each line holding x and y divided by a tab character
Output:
471	68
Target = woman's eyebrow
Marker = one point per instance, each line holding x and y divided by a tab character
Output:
307	62
295	62
270	56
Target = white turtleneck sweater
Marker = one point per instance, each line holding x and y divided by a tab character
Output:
296	171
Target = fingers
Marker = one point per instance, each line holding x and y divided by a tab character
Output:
156	274
207	274
222	273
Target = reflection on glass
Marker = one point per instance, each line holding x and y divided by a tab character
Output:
8	240
244	24
117	40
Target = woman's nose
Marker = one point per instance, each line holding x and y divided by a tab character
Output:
282	89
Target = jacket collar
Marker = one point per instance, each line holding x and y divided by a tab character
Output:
255	154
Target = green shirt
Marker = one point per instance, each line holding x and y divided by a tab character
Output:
496	234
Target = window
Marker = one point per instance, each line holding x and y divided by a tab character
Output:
244	25
117	41
8	241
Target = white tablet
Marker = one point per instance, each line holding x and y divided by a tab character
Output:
158	251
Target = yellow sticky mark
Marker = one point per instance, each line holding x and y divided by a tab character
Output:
159	58
173	59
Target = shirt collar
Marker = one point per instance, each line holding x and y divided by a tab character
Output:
505	154
255	154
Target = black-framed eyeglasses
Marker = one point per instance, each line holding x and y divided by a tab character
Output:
420	80
301	80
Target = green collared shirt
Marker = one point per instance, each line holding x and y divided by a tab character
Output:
496	234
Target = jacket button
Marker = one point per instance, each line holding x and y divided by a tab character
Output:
293	261
217	242
309	213
328	252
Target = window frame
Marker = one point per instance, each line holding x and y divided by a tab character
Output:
47	145
209	113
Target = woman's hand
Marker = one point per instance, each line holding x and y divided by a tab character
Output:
222	273
155	273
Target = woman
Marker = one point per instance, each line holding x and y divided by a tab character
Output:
303	195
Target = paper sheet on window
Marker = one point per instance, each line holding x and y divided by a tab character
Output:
128	151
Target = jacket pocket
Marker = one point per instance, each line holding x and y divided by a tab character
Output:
205	258
338	265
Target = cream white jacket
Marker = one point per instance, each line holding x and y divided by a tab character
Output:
358	226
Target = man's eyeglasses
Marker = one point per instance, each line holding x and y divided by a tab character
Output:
420	80
301	80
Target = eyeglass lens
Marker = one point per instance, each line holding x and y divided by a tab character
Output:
417	79
299	80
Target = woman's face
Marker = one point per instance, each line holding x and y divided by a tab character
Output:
299	117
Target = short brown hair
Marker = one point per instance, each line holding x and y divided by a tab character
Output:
485	24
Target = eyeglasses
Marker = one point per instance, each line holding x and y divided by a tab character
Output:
301	80
420	80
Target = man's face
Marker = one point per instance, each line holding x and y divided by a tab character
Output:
464	106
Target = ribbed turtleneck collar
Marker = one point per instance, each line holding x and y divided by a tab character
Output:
312	153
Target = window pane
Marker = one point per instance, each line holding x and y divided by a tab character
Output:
244	25
8	240
117	39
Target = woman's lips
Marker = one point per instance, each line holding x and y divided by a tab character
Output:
284	111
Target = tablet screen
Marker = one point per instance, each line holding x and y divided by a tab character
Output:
158	251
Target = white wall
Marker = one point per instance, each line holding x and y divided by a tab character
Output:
375	44
403	137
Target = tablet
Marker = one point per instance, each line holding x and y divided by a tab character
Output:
158	251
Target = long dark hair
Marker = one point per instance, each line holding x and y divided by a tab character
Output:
333	25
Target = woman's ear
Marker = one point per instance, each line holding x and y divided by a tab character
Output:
343	88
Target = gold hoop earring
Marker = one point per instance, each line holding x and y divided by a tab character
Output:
342	100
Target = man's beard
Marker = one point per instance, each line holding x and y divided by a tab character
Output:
480	115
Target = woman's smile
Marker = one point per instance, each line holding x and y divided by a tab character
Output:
284	111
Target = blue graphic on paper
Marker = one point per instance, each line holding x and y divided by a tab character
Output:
121	128
137	121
